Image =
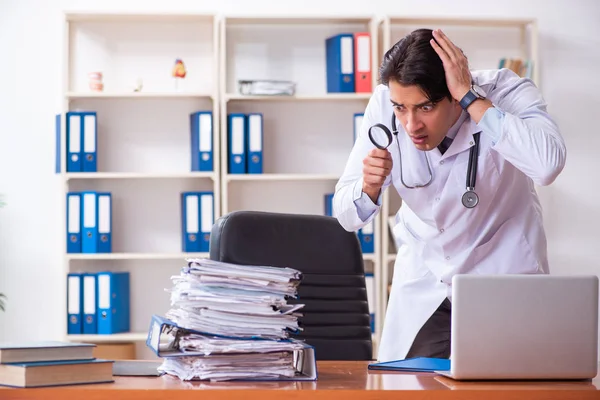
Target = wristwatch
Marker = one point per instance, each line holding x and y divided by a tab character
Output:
473	94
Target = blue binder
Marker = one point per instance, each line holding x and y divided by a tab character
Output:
328	204
89	216
190	222
74	138
89	128
207	217
367	236
104	207
358	119
73	222
201	124
339	51
89	303
254	143
74	311
418	364
237	148
113	302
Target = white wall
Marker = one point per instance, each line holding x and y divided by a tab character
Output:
30	71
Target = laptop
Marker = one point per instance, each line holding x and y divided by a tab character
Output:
524	327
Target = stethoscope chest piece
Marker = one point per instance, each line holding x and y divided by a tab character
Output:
470	199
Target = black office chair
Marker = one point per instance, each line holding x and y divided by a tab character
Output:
336	313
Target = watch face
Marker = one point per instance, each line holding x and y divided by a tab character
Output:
479	91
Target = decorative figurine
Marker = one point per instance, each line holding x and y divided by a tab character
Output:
179	71
95	81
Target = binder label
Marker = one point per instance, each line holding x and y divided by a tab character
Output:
103	291
89	295
255	133
73	300
358	120
74	213
89	210
74	136
347	61
205	132
207	212
104	214
364	48
368	228
191	209
89	132
237	136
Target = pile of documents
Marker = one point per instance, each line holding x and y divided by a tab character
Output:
232	322
266	87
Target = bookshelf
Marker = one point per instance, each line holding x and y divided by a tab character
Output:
307	137
143	137
484	41
143	143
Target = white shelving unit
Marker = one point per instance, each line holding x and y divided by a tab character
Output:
484	41
308	136
143	142
143	137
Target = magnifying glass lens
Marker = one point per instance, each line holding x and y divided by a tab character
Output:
379	137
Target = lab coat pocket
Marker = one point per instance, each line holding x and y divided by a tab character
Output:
409	263
506	252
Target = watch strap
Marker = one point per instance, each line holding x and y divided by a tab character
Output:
468	99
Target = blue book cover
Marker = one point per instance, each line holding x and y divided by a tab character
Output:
417	364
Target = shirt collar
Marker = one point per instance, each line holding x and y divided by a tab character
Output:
454	129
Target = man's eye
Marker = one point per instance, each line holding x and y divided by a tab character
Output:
426	108
399	108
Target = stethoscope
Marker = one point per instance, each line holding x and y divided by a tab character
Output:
469	198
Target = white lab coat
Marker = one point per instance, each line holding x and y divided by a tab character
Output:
503	234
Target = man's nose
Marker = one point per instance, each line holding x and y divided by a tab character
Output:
413	123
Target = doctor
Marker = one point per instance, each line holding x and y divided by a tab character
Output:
469	147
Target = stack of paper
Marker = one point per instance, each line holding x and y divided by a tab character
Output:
233	321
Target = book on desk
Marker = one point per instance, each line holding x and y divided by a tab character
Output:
40	364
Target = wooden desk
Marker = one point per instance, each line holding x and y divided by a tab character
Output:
337	380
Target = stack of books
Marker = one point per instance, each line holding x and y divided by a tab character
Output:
52	364
232	322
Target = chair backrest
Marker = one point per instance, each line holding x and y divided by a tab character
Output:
336	313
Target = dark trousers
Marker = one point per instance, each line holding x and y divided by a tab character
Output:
433	340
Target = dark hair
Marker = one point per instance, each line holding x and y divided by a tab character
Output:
413	61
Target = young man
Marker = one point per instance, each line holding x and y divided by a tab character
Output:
468	150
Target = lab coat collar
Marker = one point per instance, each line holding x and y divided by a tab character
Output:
463	140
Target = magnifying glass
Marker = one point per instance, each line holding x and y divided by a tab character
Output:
380	136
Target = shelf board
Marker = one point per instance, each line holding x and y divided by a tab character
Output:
138	175
137	17
109	338
460	21
139	95
296	20
302	97
370	257
134	256
282	177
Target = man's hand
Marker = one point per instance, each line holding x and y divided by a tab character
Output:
456	66
377	165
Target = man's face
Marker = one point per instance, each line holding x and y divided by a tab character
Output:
425	123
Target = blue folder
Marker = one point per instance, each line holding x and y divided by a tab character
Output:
417	364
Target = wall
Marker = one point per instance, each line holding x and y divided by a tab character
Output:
30	71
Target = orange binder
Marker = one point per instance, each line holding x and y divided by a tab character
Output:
362	62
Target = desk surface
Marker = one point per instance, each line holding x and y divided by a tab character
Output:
348	380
